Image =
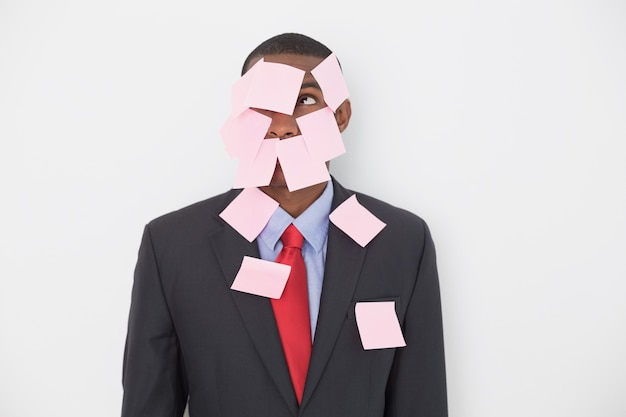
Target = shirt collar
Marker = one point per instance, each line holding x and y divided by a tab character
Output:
312	223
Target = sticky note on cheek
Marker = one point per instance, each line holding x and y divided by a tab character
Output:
378	325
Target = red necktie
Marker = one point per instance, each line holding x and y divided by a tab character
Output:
292	310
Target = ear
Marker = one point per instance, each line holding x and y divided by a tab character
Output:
342	115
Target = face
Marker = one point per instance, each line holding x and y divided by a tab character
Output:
310	99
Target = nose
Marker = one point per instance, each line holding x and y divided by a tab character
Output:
283	126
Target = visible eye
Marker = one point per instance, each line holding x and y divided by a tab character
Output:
307	100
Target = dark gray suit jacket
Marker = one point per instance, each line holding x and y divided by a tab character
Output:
191	336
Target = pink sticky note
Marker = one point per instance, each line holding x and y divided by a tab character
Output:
243	134
321	134
260	277
258	172
272	86
378	325
356	221
229	137
330	78
249	212
299	168
240	90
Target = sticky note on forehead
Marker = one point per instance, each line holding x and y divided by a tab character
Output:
330	78
269	86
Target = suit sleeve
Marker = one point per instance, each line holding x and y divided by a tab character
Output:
153	375
417	384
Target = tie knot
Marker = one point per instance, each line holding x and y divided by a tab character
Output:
292	238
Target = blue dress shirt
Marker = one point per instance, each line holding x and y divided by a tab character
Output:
313	224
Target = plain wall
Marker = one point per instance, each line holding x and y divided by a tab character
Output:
501	123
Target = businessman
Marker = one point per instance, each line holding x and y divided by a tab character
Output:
288	295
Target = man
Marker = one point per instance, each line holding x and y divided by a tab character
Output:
206	325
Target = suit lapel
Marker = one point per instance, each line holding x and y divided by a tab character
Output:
256	312
344	261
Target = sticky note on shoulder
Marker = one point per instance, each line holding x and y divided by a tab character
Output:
356	221
249	223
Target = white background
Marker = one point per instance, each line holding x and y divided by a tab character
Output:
501	123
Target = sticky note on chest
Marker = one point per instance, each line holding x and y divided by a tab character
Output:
378	325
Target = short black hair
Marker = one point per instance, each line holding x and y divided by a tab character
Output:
288	43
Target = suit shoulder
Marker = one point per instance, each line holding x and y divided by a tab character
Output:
400	224
389	213
195	216
402	227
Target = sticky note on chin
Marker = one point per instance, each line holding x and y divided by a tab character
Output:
378	325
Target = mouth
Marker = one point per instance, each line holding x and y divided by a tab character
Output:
278	178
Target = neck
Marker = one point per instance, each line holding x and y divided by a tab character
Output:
296	202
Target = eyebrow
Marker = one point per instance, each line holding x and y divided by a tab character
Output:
311	84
